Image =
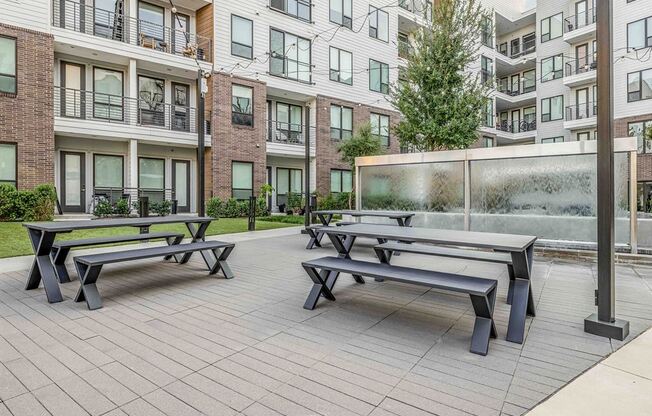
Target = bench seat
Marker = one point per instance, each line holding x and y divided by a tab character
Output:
89	266
324	271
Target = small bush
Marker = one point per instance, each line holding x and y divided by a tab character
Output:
214	207
122	208
286	219
103	209
34	205
335	201
162	208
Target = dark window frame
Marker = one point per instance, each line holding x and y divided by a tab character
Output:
549	20
337	72
251	47
285	74
646	124
237	115
343	23
341	176
382	65
384	140
340	129
252	178
639	91
375	11
109	104
15	181
289	171
647	32
549	114
556	73
13	93
286	12
555	139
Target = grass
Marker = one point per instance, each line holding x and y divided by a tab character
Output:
14	241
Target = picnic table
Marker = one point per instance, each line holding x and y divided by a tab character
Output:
42	236
402	218
519	247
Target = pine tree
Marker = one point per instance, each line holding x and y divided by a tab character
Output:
441	100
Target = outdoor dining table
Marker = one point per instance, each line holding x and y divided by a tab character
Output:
401	217
521	248
43	234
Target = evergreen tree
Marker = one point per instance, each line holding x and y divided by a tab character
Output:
442	101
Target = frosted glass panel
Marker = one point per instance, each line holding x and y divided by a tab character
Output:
73	179
180	182
151	173
108	171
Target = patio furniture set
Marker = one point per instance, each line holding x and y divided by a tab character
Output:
515	251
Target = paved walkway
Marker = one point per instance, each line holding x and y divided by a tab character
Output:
173	341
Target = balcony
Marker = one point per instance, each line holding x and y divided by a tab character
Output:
287	139
508	61
96	114
521	94
579	116
524	49
106	24
579	27
413	14
404	49
579	72
516	130
421	8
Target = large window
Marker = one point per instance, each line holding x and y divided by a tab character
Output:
639	130
341	122
551	27
487	35
242	37
108	175
552	108
378	24
242	105
639	34
288	123
290	56
151	25
378	76
552	68
151	178
487	69
8	159
242	180
639	85
288	180
341	181
529	81
297	8
341	12
341	66
380	127
7	65
151	98
107	94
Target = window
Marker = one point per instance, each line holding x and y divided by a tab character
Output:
515	47
242	37
378	76
151	178
288	180
290	56
151	97
288	123
559	139
529	81
8	168
644	196
380	127
487	69
638	130
639	34
530	118
488	141
551	27
300	9
242	105
529	42
151	24
378	24
108	171
107	94
341	12
105	20
341	181
639	85
552	108
341	66
488	113
7	65
552	68
486	36
584	135
242	180
341	122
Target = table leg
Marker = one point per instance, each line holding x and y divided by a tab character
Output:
59	262
42	268
343	245
325	219
522	299
198	234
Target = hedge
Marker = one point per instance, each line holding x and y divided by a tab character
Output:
35	205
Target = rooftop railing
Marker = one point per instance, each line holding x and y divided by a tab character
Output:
581	111
82	18
579	20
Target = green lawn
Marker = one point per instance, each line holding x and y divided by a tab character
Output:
14	241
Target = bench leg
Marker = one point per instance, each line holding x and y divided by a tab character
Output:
383	255
315	239
59	261
484	327
172	242
343	247
322	284
88	289
221	264
510	290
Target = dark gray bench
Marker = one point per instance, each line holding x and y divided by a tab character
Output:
386	250
89	267
323	273
60	249
315	236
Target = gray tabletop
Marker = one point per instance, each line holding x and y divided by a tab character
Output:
495	241
362	213
60	226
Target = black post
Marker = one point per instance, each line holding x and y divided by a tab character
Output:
306	137
201	164
251	222
604	323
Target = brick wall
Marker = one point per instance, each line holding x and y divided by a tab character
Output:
27	118
236	143
326	149
643	161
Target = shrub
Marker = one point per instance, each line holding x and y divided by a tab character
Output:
122	208
102	209
335	201
34	205
214	207
162	208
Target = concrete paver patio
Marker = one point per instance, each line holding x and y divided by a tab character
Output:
171	340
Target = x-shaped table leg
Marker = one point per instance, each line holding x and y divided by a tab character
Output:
220	262
320	286
522	299
42	268
197	233
343	244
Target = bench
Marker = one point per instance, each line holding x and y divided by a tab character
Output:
60	249
386	250
89	267
323	273
315	236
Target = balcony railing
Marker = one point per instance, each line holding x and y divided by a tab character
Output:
579	21
516	126
523	88
581	111
107	108
420	7
486	76
404	49
82	18
286	133
526	48
580	66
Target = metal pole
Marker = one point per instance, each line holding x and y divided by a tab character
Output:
306	137
201	164
604	323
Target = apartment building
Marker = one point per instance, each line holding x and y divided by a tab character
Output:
100	97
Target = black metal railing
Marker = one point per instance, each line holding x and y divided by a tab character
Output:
522	88
420	7
516	126
286	133
108	108
525	48
580	66
80	17
581	111
579	21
